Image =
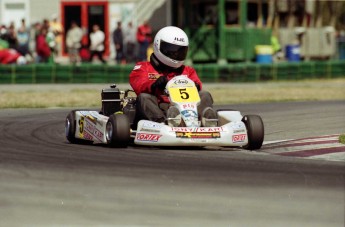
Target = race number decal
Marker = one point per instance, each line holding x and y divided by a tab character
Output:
81	125
186	94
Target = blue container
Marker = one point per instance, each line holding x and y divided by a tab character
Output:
264	58
264	54
293	53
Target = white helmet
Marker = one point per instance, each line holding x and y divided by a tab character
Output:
170	46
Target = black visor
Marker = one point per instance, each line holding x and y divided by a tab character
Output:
173	51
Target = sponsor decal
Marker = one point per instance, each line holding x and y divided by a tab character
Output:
148	137
181	82
189	113
239	138
197	129
179	39
91	115
87	136
188	106
239	131
152	125
91	128
150	130
136	67
198	135
153	76
238	126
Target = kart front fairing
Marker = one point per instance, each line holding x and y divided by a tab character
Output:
157	134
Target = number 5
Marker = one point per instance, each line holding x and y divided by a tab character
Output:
184	94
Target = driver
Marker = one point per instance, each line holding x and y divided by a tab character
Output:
148	79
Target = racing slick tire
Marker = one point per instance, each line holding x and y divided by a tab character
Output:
255	131
70	127
118	130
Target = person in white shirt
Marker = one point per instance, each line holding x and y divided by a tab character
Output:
130	43
97	43
73	42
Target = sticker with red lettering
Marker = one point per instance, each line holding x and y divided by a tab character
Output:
148	137
239	138
198	129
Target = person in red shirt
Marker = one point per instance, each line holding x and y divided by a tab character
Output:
148	79
42	47
144	39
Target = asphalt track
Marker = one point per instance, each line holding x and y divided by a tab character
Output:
45	181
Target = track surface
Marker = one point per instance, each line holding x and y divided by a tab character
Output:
47	181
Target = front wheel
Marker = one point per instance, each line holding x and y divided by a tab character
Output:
70	127
118	130
255	131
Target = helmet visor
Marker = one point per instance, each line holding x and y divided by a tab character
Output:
173	51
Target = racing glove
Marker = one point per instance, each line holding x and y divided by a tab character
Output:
159	84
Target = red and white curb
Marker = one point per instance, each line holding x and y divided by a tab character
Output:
322	147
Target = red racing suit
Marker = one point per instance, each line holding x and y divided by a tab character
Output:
144	75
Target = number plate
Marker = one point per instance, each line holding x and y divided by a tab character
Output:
186	94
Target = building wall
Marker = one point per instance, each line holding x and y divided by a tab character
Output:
44	9
14	11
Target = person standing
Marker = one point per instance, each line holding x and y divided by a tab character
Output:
130	43
57	29
73	42
118	43
42	48
23	37
97	38
144	37
50	39
12	37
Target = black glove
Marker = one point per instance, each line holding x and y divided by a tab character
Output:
159	84
197	86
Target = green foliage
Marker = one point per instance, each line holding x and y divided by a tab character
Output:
342	138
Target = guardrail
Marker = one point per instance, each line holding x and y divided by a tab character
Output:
239	72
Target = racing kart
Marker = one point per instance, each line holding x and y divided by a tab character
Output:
117	125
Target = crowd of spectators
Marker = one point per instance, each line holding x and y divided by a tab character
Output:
42	42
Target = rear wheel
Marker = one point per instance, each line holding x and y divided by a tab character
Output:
255	130
118	130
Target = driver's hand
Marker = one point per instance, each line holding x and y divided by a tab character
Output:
159	84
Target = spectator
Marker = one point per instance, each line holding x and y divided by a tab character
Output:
97	43
130	43
144	38
23	37
3	33
73	42
42	48
84	53
12	37
57	29
118	43
50	38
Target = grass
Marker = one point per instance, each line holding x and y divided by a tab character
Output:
225	93
342	138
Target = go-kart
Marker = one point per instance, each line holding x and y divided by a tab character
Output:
116	125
